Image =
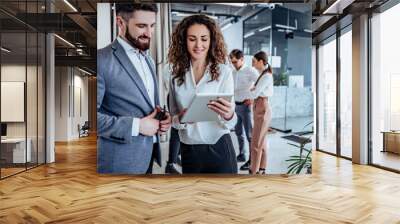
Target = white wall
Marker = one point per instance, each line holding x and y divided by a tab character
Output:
12	101
33	126
17	73
233	36
70	83
61	103
14	73
103	18
81	84
292	102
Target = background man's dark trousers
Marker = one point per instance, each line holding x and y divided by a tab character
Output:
243	113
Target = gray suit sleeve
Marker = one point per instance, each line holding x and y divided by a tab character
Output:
115	128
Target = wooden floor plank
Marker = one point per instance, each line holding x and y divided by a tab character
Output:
70	191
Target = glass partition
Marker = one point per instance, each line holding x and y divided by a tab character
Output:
284	33
13	99
22	88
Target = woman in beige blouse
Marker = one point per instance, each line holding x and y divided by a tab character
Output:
261	92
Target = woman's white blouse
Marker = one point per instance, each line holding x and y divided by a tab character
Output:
181	96
264	87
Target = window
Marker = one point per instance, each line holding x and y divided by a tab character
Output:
327	96
346	93
385	89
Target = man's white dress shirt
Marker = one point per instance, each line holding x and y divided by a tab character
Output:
244	79
139	62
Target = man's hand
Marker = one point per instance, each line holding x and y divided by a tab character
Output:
149	125
247	102
222	107
165	124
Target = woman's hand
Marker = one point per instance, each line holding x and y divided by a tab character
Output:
180	114
222	107
179	117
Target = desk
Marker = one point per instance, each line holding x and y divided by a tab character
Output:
302	141
391	141
298	139
13	150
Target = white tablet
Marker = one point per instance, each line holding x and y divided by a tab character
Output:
198	109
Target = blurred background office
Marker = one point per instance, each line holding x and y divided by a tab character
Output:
281	30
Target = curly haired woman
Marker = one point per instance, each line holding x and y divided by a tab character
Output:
198	57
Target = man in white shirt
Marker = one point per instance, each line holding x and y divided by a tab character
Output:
244	77
128	112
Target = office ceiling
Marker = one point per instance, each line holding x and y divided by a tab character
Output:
219	12
328	16
75	20
74	23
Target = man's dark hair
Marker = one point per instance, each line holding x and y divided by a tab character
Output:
126	10
238	54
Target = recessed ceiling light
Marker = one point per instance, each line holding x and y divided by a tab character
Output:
226	26
233	4
5	50
70	5
264	28
249	34
64	40
84	71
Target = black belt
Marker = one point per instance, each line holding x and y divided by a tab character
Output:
239	103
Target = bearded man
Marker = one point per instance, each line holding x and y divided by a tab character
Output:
127	96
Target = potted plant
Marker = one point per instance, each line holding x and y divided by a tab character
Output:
304	159
301	161
281	79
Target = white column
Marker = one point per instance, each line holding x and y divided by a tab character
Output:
104	30
360	90
50	99
314	91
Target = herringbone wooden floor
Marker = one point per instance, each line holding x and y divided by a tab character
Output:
70	191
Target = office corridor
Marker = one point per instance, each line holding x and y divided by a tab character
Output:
70	191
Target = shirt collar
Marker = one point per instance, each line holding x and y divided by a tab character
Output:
206	76
206	72
127	47
242	68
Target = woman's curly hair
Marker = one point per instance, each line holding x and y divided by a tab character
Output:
179	57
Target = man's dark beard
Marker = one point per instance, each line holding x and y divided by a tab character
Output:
135	41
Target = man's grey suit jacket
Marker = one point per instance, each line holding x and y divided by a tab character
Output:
121	96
